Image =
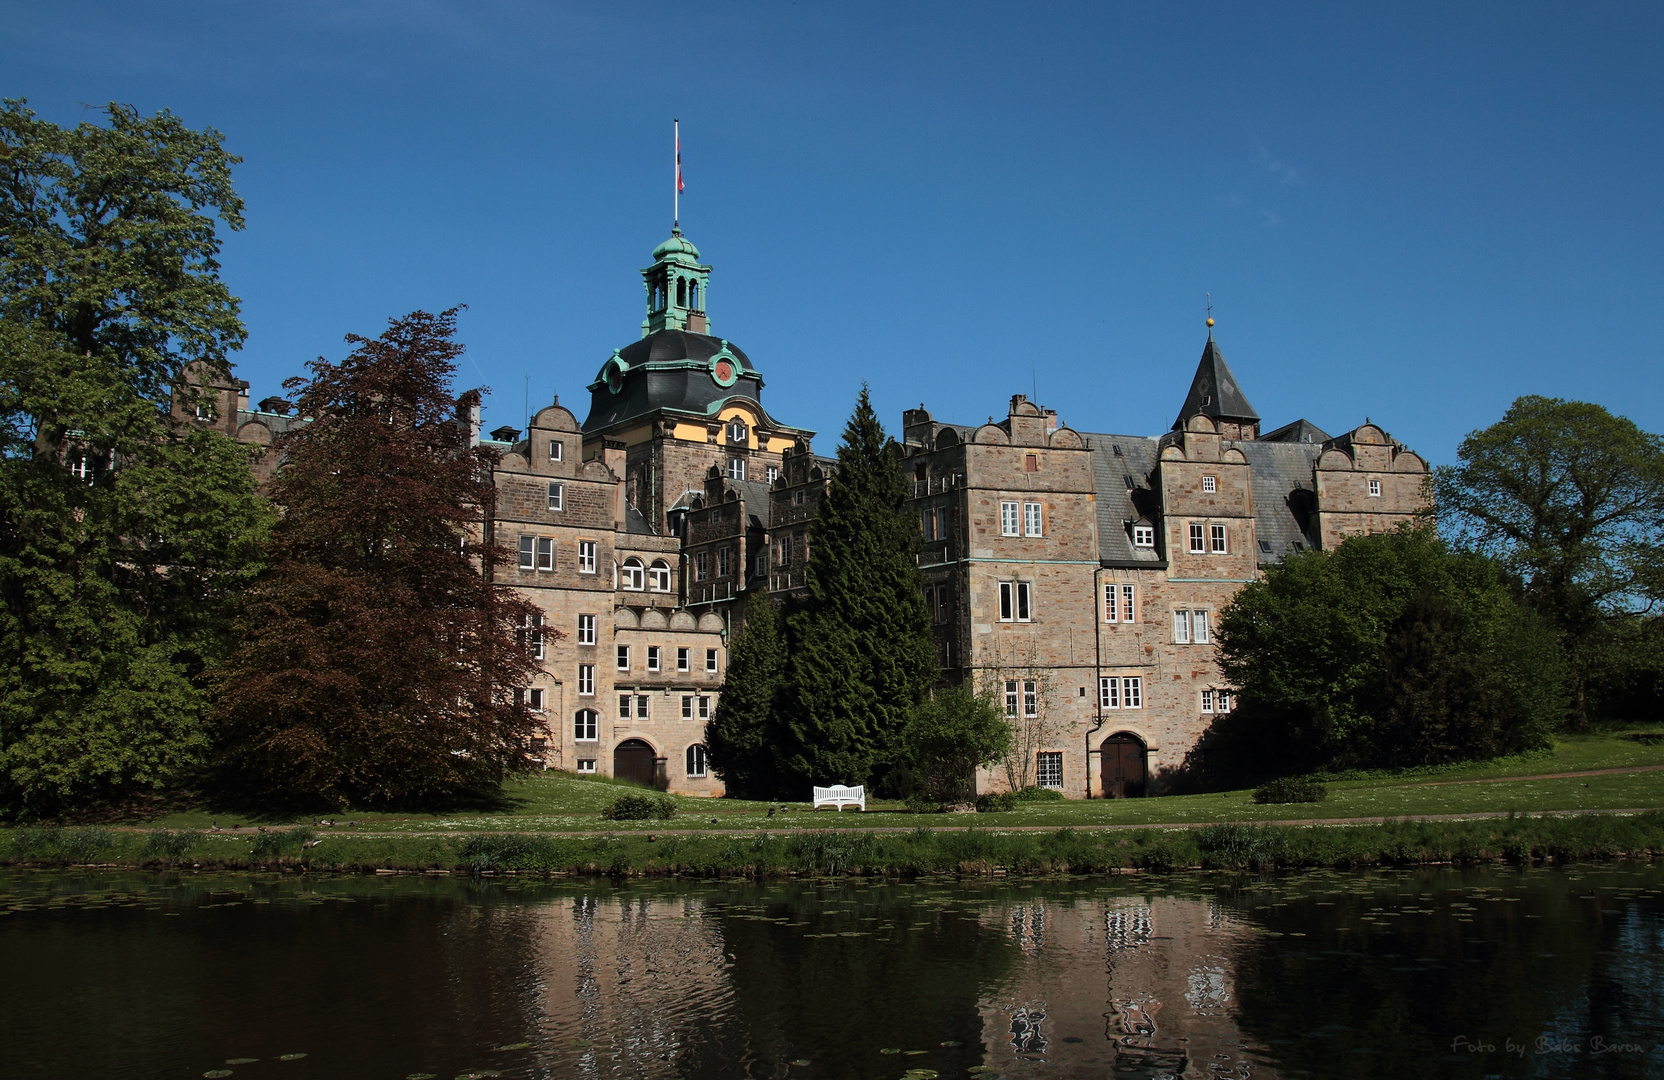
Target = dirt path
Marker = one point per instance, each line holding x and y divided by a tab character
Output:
1540	776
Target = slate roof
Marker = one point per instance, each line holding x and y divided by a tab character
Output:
758	505
1284	500
670	370
1300	431
1118	504
636	522
1214	391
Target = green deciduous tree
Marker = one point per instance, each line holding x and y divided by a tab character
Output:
376	662
122	531
1571	499
950	735
740	734
1391	650
862	656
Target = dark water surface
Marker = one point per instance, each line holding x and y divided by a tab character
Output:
1438	972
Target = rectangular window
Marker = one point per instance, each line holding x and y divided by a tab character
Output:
1008	519
586	629
586	680
797	497
526	557
704	708
624	705
1048	769
537	638
1128	607
1132	692
586	765
682	659
773	474
586	556
1031	519
1011	698
556	449
736	468
1199	627
1016	601
701	566
652	658
1208	485
1375	489
710	659
1031	462
722	557
1198	540
1207	700
584	725
1109	692
545	553
641	706
1223	700
1181	628
557	496
623	658
534	699
1118	602
1031	698
1219	534
927	524
1144	536
696	761
687	708
785	558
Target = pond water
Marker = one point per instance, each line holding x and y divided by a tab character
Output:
1435	972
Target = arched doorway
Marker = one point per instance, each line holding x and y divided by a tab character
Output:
633	761
1123	758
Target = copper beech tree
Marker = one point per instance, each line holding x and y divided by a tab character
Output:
376	662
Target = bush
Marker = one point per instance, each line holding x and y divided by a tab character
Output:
635	807
993	802
1039	794
1291	789
948	737
163	843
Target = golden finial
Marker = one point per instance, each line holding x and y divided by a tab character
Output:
1210	311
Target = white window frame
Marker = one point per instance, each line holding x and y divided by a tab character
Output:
1222	700
1120	602
704	707
1144	536
586	765
684	659
632	575
652	658
658	576
556	449
586	680
624	700
535	699
738	433
736	468
528	557
710	660
1219	539
534	633
724	561
1209	485
1199	627
557	495
1031	699
586	629
643	707
1375	489
1198	539
1121	692
1013	697
696	763
586	726
1048	769
1207	700
622	656
1017	601
545	553
1033	520
1009	518
586	556
687	706
1109	692
701	565
772	472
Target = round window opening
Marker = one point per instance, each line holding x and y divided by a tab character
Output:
615	377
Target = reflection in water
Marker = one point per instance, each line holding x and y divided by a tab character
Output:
1436	972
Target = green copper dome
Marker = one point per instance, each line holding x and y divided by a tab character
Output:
676	245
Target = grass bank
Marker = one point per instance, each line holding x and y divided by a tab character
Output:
835	852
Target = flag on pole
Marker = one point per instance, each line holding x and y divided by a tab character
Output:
679	186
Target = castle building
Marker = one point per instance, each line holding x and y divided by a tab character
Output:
1079	576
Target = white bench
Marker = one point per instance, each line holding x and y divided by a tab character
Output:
840	797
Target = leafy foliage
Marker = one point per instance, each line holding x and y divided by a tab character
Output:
861	656
1290	789
123	528
951	734
739	734
640	808
376	663
1571	499
1390	650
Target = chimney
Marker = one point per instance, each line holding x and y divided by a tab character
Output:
612	456
1051	421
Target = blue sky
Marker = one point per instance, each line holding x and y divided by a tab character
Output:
1411	212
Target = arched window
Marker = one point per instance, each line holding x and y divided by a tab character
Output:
681	292
693	295
658	576
696	761
586	725
633	576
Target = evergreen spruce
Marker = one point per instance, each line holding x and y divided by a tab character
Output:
862	656
740	734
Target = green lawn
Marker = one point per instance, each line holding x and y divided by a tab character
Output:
559	802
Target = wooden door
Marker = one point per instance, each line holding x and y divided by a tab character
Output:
1123	767
633	761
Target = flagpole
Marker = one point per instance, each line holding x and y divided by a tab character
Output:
676	180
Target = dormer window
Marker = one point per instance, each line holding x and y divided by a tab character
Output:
1144	536
556	448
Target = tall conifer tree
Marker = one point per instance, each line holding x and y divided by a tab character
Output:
862	656
741	733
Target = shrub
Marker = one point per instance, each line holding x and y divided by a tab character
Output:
640	807
1039	794
278	842
1290	789
164	843
995	801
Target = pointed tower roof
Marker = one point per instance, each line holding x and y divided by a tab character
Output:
1214	391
